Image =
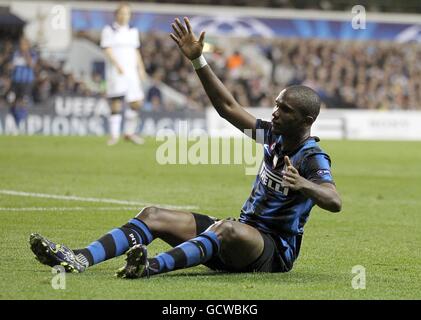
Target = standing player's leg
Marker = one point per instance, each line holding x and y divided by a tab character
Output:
134	97
19	106
131	122
174	227
116	104
236	244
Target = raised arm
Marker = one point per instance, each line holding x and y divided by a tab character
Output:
223	101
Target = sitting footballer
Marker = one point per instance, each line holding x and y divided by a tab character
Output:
295	175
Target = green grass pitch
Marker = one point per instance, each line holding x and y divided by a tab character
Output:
379	227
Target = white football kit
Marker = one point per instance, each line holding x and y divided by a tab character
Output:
124	41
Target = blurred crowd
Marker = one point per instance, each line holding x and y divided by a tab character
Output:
365	75
41	78
369	75
242	78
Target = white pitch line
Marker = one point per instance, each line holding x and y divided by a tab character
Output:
69	209
99	200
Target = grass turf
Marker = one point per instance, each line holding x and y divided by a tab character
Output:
379	227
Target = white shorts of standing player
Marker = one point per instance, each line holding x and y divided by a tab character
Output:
128	87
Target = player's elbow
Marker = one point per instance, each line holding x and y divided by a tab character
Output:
224	110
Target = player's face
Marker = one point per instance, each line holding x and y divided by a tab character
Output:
285	118
24	45
123	15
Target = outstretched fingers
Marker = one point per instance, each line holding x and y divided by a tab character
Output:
188	25
175	38
180	26
176	30
190	30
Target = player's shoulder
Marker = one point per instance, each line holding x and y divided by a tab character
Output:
312	145
108	31
264	134
133	28
262	124
311	151
108	28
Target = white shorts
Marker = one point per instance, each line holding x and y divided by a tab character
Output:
125	85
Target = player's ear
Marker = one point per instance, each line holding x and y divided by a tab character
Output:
309	120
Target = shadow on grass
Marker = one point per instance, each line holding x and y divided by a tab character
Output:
295	276
284	277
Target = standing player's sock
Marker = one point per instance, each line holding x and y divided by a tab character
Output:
115	125
130	122
188	254
115	243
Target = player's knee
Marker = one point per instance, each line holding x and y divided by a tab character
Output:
149	214
225	230
116	106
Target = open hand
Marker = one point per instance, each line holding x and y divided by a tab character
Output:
186	40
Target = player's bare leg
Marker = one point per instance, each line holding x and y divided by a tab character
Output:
241	244
131	122
116	105
238	245
172	226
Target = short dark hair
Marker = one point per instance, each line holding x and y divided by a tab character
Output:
305	99
121	5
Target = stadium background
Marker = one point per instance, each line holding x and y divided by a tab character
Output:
370	83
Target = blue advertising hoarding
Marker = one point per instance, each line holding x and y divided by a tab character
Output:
253	26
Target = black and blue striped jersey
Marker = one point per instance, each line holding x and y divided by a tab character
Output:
274	209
